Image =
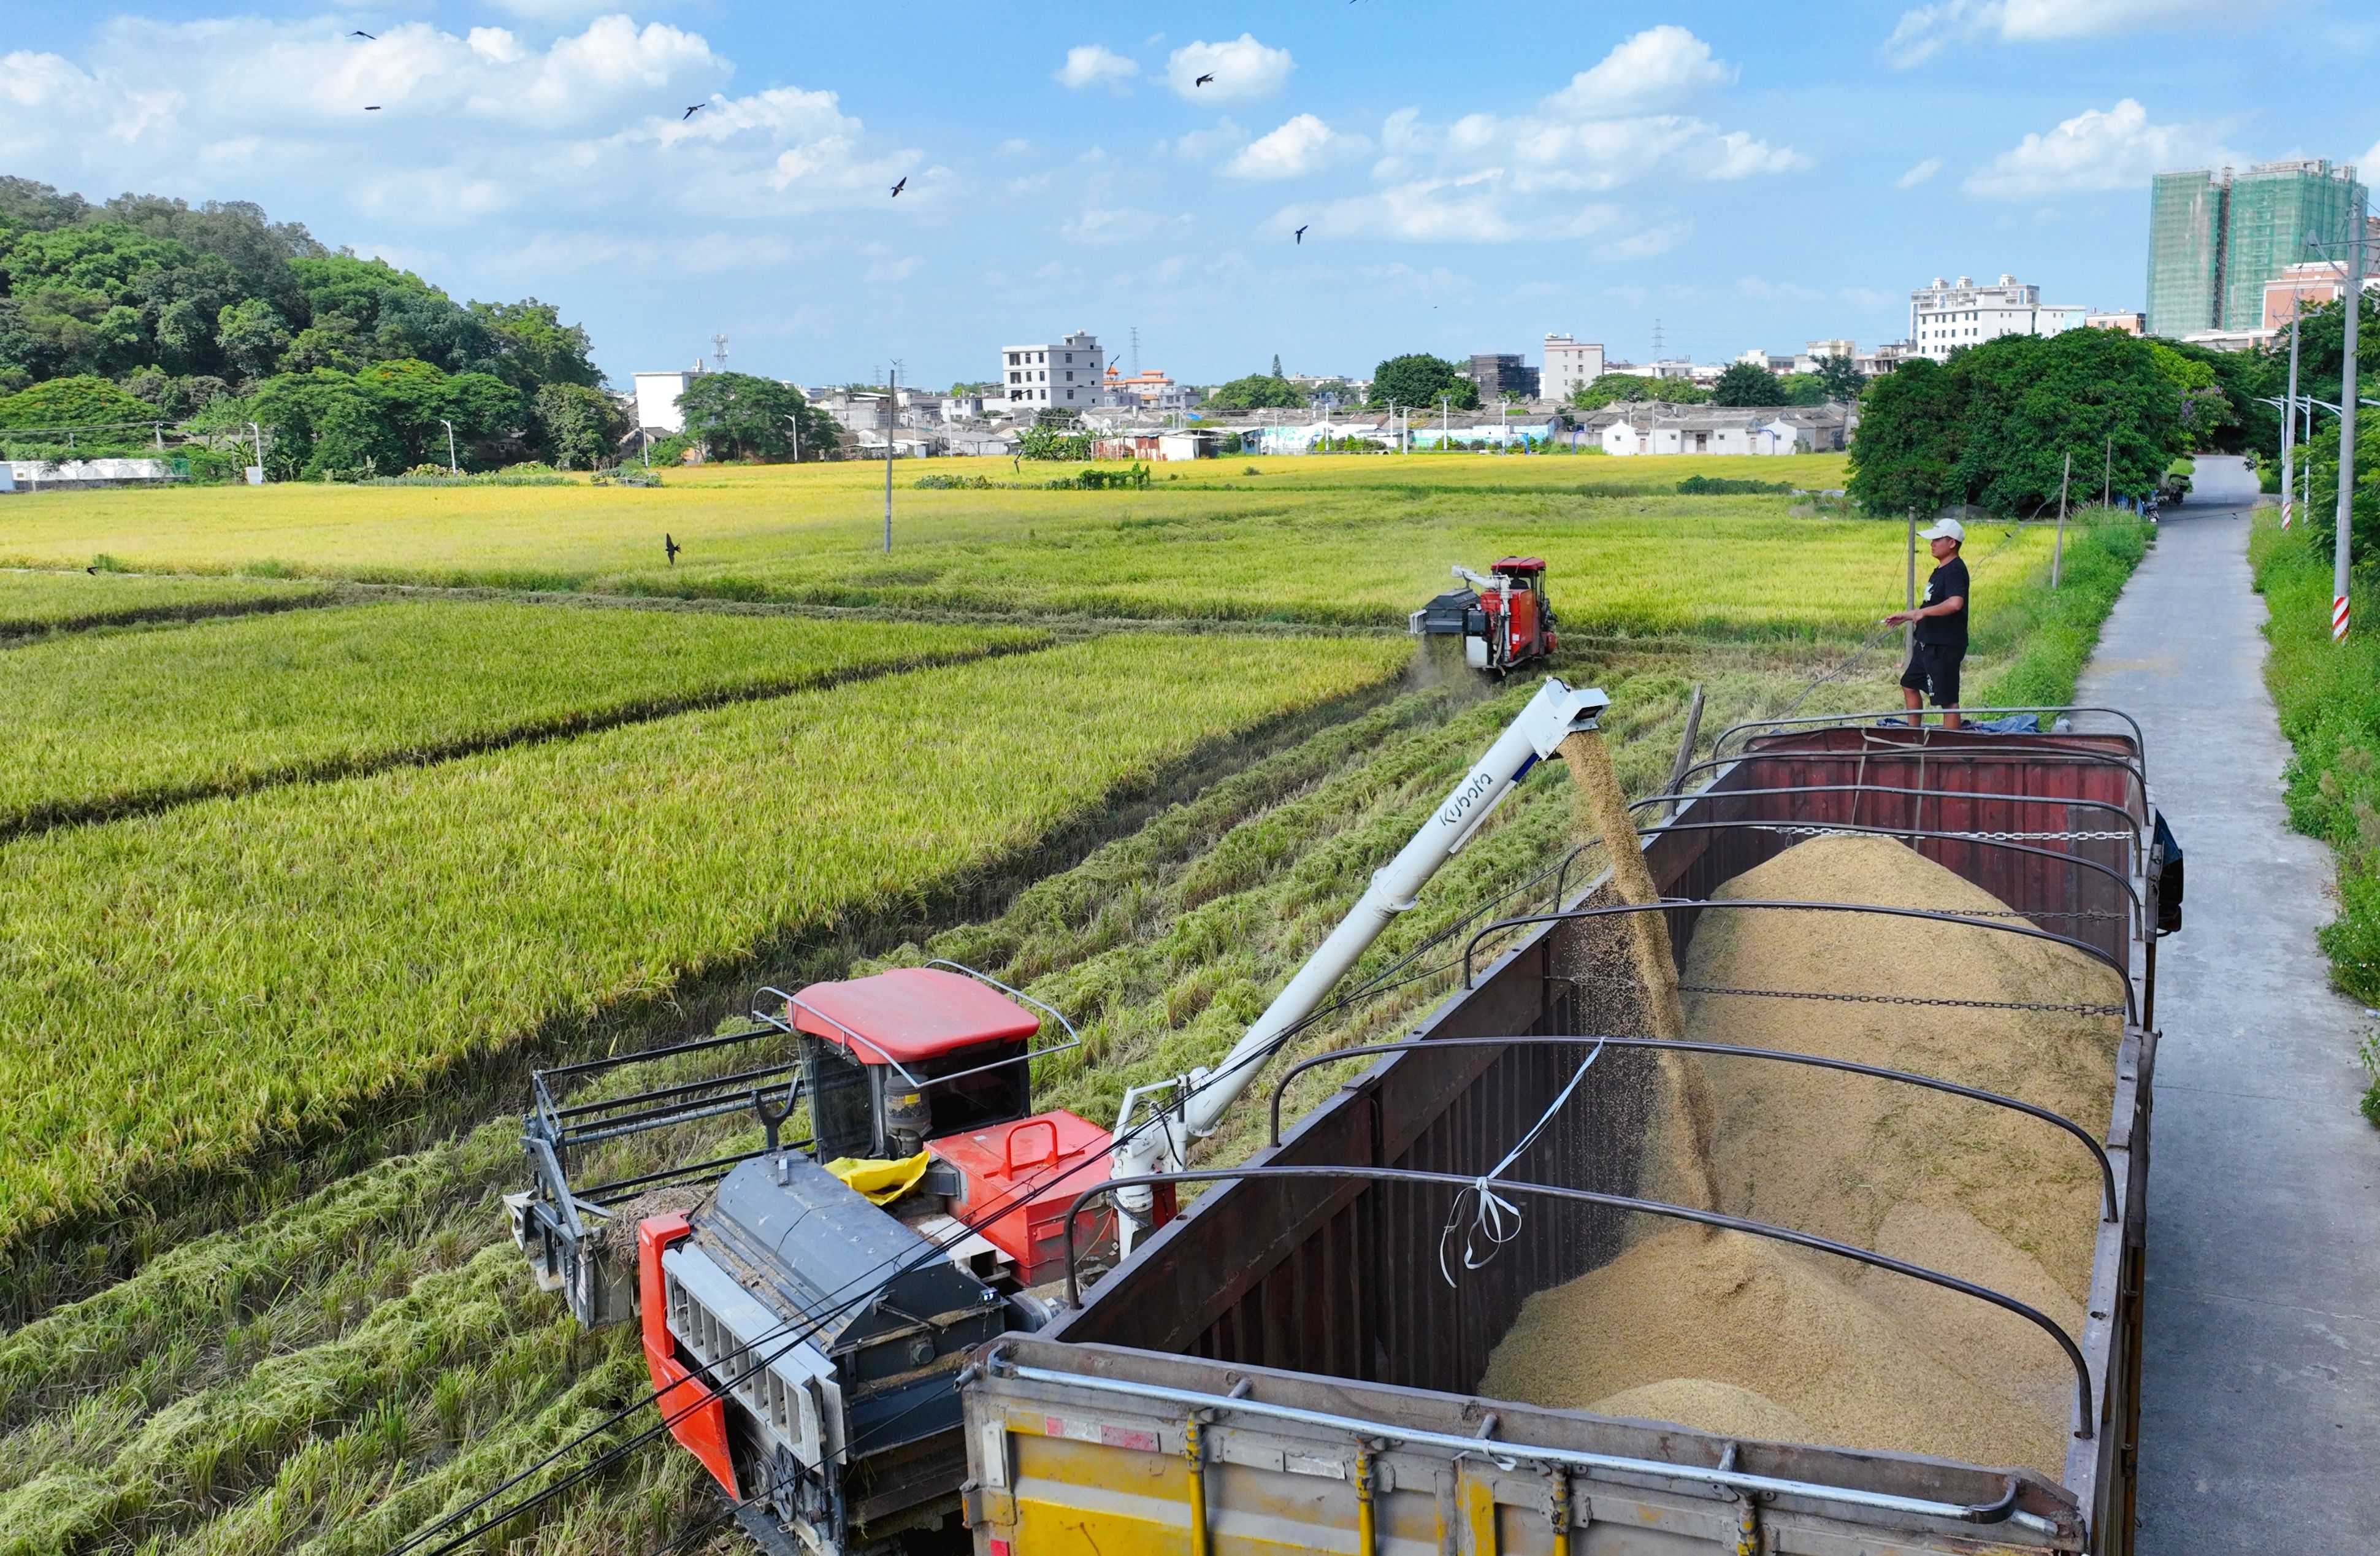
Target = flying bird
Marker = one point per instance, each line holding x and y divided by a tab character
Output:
670	548
372	107
692	112
1300	235
360	32
899	187
1202	80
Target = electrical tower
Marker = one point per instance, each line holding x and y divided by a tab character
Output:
1135	351
718	352
1656	340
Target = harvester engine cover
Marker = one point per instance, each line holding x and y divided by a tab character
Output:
839	1406
1503	619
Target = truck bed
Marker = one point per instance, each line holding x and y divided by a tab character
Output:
1318	1302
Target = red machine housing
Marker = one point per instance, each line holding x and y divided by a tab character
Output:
1065	1153
696	1415
1519	627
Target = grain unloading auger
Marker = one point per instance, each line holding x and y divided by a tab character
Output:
805	1319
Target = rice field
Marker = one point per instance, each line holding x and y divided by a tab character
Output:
186	987
262	1033
34	603
1336	539
123	721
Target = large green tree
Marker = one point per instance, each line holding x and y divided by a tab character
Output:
1841	378
73	402
1744	384
1419	379
1257	392
742	416
1997	423
577	427
1613	388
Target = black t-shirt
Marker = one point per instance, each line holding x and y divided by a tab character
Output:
1947	582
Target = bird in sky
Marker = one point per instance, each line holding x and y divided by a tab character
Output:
360	32
670	548
1202	80
692	112
372	107
1301	234
899	187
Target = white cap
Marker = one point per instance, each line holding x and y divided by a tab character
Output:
1945	529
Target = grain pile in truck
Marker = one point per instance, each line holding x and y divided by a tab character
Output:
1727	1332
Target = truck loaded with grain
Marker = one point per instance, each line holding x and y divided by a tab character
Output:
1784	1193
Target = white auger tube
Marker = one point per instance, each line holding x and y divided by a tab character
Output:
1189	1108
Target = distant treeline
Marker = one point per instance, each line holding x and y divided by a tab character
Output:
147	310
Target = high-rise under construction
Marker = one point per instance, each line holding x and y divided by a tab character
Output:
2215	239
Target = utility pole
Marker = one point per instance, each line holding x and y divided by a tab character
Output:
2350	389
2107	474
452	469
2058	549
2290	415
892	417
257	477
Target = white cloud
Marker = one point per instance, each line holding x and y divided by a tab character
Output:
1300	147
1094	65
470	128
1918	174
1244	71
1546	173
2099	149
1201	145
1926	30
1661	67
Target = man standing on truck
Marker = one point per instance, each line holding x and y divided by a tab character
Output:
1939	640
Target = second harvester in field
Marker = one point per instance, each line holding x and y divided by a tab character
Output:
1503	619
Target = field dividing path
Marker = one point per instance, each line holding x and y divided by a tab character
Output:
2260	1421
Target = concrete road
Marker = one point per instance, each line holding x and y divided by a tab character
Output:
2260	1429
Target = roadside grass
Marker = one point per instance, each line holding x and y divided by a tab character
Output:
2328	697
34	603
185	989
100	727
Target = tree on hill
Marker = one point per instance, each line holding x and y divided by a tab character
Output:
1418	379
1745	385
73	402
742	416
1257	392
1993	425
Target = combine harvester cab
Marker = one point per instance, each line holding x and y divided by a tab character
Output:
804	1313
1283	1367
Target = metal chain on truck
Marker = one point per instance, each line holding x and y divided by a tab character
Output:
1897	999
1797	829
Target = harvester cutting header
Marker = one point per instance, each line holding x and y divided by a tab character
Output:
805	1321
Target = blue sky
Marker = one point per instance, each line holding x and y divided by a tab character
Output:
1470	177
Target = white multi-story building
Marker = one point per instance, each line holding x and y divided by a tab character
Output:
1570	364
1946	316
657	396
1067	375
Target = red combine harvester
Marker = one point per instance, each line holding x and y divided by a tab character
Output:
1503	619
807	1306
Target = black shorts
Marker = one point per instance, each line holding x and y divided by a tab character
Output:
1934	667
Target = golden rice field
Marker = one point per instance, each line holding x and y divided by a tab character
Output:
1334	540
94	724
183	987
